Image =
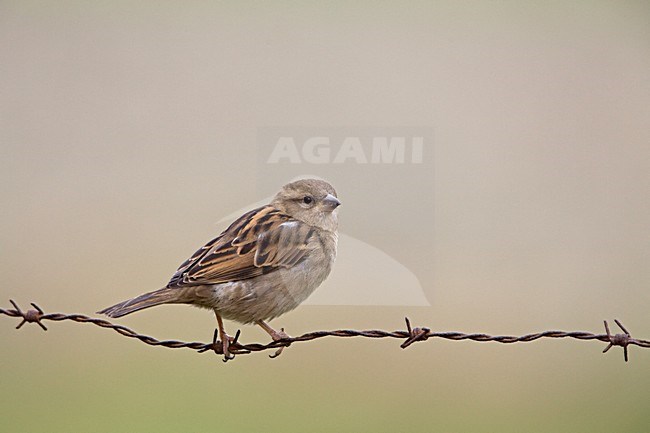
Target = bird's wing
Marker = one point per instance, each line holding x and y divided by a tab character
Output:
259	242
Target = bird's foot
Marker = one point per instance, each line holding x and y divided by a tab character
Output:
224	344
277	336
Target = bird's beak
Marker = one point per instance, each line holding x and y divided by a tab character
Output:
331	202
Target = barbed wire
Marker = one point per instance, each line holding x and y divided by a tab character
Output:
410	335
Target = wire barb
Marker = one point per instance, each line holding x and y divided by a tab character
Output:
410	336
415	334
29	316
622	340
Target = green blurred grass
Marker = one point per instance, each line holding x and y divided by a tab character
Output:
81	378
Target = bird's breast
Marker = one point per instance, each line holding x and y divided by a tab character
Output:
269	295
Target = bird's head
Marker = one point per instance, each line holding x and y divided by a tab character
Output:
311	201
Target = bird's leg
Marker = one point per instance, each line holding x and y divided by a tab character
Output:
275	335
225	339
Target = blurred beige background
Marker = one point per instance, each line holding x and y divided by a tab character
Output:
127	131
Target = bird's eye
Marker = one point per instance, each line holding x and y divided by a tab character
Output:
307	199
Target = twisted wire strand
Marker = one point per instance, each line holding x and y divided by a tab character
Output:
410	335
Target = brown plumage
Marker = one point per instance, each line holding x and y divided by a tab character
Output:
264	264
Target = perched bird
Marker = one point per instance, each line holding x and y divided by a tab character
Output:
264	264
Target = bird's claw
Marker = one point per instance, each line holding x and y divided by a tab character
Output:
222	347
225	348
277	336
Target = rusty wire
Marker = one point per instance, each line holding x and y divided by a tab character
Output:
410	335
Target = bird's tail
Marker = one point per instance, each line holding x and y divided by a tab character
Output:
162	296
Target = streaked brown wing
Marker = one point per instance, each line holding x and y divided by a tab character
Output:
258	242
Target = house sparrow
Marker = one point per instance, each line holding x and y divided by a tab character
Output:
264	264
